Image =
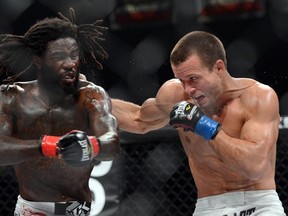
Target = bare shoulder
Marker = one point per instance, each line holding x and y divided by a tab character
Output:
90	88
267	96
16	89
172	83
260	96
10	90
94	97
12	94
261	91
171	92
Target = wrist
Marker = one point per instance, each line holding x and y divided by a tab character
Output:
207	128
95	144
48	145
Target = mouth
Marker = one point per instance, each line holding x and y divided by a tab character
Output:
198	99
68	78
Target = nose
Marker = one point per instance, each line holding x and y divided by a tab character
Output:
69	63
189	89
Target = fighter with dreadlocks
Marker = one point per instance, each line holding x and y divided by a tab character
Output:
55	128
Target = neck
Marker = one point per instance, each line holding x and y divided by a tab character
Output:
53	95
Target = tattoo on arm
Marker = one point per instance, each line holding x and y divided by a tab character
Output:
96	101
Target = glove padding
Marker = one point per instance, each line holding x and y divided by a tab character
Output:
189	117
77	149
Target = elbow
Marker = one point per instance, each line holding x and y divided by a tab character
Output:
144	130
256	171
109	148
114	149
253	176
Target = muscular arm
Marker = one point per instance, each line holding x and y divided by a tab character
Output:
152	114
103	124
12	150
139	119
253	154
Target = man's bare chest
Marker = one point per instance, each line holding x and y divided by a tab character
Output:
37	120
231	123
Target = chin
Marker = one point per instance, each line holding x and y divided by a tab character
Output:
71	89
203	104
205	107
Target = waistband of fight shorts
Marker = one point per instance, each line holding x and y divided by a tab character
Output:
58	208
70	207
234	198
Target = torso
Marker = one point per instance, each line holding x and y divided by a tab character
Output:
211	175
52	180
47	179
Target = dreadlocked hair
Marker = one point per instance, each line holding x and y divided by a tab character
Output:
15	57
16	52
89	38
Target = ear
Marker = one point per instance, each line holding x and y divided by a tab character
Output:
219	65
37	62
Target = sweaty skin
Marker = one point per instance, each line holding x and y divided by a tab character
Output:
242	156
29	110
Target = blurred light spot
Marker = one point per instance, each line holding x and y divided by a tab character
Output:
242	57
14	8
121	91
279	17
143	86
149	55
89	9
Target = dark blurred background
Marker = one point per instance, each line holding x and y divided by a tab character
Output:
143	32
154	179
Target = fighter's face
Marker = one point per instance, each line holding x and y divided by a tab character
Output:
60	64
202	84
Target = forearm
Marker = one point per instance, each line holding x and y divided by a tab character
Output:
247	154
242	156
125	113
121	106
15	151
139	119
109	146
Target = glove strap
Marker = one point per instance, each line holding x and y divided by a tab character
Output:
95	143
207	128
48	145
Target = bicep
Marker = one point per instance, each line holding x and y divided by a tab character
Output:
153	114
264	134
263	124
139	119
134	118
253	152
